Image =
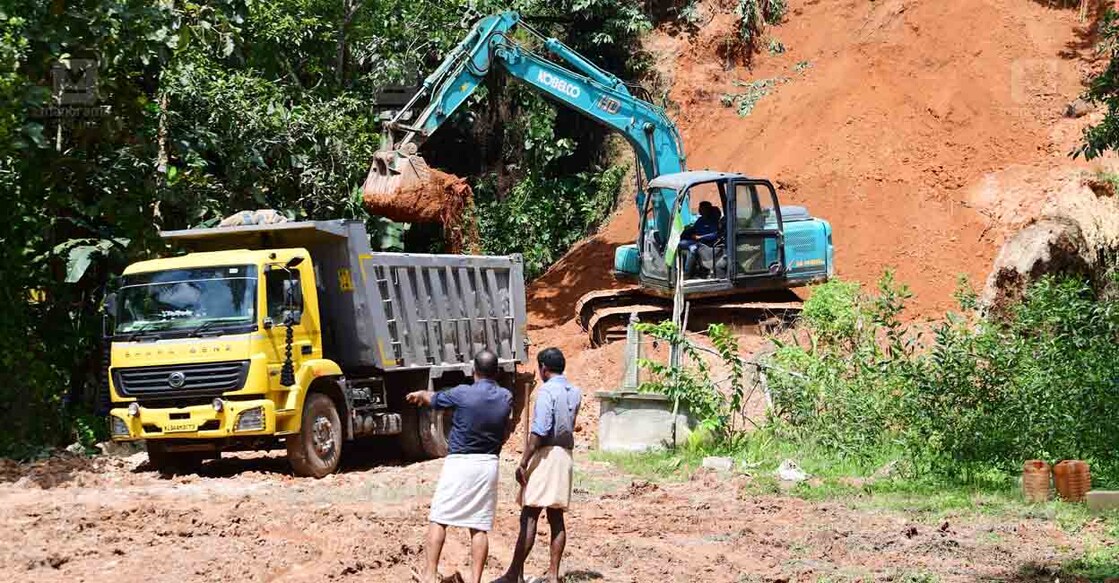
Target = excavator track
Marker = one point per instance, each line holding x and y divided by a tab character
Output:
605	314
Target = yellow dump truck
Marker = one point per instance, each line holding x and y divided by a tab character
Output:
297	334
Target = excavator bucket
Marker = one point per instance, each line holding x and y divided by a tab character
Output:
402	187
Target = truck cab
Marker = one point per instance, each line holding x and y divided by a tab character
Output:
297	334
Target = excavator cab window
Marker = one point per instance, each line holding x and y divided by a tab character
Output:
652	242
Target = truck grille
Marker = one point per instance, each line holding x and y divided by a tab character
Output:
181	382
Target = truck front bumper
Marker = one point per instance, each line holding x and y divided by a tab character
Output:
235	419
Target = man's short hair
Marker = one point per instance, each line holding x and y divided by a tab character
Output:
705	204
552	359
485	364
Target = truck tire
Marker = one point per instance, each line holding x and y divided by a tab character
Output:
410	443
314	451
424	433
435	428
171	463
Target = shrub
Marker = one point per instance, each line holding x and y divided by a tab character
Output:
984	396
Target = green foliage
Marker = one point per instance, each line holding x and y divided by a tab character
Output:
205	109
691	384
985	395
752	93
755	15
1104	89
776	47
543	216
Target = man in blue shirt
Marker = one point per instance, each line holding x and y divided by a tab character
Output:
547	468
466	495
704	231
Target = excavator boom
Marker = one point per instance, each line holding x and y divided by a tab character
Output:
399	179
753	258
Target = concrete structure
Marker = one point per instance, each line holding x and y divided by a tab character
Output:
640	422
1103	500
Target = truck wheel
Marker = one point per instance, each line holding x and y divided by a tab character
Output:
435	428
410	443
314	451
424	433
171	463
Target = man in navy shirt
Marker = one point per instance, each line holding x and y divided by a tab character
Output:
466	495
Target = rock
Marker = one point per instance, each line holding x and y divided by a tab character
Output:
722	464
120	448
1103	500
1051	245
76	448
791	472
1078	108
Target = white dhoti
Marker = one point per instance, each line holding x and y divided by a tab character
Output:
466	495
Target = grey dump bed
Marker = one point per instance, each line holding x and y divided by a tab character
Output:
394	311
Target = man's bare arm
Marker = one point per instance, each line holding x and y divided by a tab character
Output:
420	398
530	449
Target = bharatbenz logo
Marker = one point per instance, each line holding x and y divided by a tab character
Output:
560	85
176	380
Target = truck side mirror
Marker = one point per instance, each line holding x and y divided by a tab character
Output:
108	313
293	262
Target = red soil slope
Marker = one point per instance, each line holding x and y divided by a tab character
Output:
906	110
904	107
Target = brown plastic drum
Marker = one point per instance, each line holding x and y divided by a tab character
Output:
1072	479
1035	481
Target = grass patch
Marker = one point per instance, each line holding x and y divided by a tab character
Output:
853	483
1098	564
654	466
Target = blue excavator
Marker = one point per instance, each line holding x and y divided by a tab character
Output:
763	249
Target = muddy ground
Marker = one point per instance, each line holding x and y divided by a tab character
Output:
248	519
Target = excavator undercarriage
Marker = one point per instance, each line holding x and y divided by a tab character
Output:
605	314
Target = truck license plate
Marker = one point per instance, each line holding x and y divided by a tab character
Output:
176	427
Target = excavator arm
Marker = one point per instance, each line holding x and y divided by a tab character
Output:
575	82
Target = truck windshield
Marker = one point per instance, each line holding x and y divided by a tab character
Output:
187	300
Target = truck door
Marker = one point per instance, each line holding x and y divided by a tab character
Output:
284	300
759	250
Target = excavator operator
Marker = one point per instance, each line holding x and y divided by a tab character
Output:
701	236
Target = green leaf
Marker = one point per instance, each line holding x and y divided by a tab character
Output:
79	261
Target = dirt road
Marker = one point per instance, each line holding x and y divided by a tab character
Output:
248	519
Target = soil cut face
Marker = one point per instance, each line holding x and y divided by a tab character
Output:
885	118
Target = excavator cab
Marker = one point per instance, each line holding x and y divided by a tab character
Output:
748	251
763	249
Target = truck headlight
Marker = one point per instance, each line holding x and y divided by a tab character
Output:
250	420
134	409
118	426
